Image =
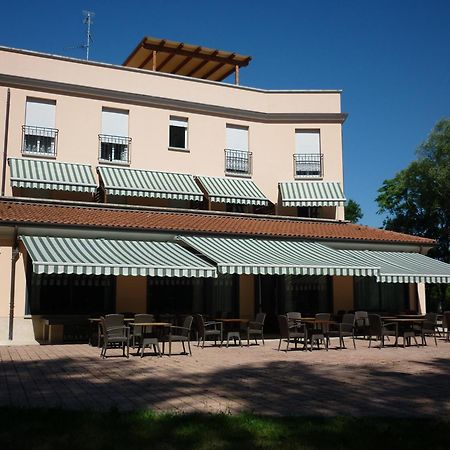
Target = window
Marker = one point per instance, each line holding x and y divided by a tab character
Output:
178	133
237	157
308	158
380	297
114	140
39	135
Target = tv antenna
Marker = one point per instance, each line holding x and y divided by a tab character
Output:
88	21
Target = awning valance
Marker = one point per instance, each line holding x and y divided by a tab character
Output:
233	190
401	267
42	174
311	193
146	183
83	256
276	257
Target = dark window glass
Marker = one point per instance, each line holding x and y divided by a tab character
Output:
177	296
70	294
177	137
379	297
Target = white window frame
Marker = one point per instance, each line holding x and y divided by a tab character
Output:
180	122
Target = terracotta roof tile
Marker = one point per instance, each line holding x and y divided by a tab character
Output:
25	212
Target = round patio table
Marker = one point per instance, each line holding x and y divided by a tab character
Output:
232	332
150	340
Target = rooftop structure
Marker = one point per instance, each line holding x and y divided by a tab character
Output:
189	60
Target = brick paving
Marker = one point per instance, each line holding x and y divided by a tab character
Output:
362	382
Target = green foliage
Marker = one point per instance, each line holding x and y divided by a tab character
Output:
417	199
48	429
353	211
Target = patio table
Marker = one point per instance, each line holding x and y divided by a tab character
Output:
231	325
150	340
316	329
405	326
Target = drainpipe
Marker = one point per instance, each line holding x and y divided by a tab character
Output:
14	258
5	144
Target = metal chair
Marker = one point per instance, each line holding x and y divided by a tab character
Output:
137	331
344	329
361	323
256	328
428	328
179	334
319	332
208	329
287	333
115	334
378	329
446	324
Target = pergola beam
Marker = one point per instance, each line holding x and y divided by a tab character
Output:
230	59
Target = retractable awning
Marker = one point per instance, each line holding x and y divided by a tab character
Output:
42	174
276	257
401	267
311	193
146	183
233	190
113	257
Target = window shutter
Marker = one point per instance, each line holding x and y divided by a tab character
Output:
114	122
237	138
40	113
178	122
307	142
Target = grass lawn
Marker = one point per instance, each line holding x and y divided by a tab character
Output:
58	429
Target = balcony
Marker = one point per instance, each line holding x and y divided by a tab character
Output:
308	165
114	149
39	141
238	162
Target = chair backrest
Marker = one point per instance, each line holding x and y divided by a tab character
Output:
199	324
142	318
361	318
284	327
293	315
260	318
113	321
187	323
323	326
375	324
348	322
431	317
446	319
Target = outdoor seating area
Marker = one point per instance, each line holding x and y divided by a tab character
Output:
322	331
115	331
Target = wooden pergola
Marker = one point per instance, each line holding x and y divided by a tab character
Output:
188	60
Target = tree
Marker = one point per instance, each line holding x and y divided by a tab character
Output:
417	199
353	211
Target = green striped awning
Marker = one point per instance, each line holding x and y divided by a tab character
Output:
276	257
42	174
401	267
83	256
233	190
311	193
147	183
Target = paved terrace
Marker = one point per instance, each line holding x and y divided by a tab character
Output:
363	382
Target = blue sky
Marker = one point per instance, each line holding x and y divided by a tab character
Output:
391	58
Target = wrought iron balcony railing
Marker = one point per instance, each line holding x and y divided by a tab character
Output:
308	165
39	141
114	148
238	162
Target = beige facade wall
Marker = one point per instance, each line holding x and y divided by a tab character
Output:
78	119
343	298
247	296
131	294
